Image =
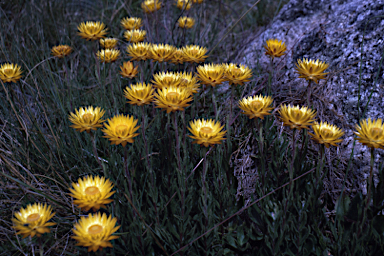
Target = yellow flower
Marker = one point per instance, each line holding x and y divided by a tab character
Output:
150	6
128	70
296	117
178	57
135	36
92	30
33	220
121	129
371	133
194	53
311	70
275	48
95	231
108	55
211	74
139	94
188	81
185	22
92	192
326	134
166	80
61	50
197	1
10	72
172	99
161	52
108	43
138	51
237	75
206	132
87	119
131	23
184	4
256	106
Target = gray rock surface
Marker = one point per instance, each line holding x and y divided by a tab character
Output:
332	31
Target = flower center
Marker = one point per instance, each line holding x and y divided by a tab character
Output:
206	129
184	81
8	72
90	191
256	104
172	95
194	51
327	132
95	229
87	117
376	132
121	129
33	217
135	34
296	113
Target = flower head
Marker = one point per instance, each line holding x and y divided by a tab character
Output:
87	119
184	4
92	192
108	43
166	79
206	132
108	55
139	94
92	30
95	231
138	51
150	6
61	50
256	106
128	70
194	53
371	133
161	52
33	220
211	74
296	117
186	22
10	72
326	134
121	129
275	48
237	75
311	70
178	57
135	36
188	81
131	23
172	99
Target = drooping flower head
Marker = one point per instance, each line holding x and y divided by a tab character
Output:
121	129
87	119
150	6
108	55
33	220
178	57
92	192
166	79
211	74
311	70
171	99
161	52
95	231
92	30
61	51
296	117
184	4
275	48
138	51
131	23
128	70
206	132
188	81
186	22
108	43
237	75
135	36
194	53
139	94
326	134
10	72
257	106
371	133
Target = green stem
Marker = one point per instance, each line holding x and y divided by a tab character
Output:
177	141
309	91
145	145
214	102
370	178
93	138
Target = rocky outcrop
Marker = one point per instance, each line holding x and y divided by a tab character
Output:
349	36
